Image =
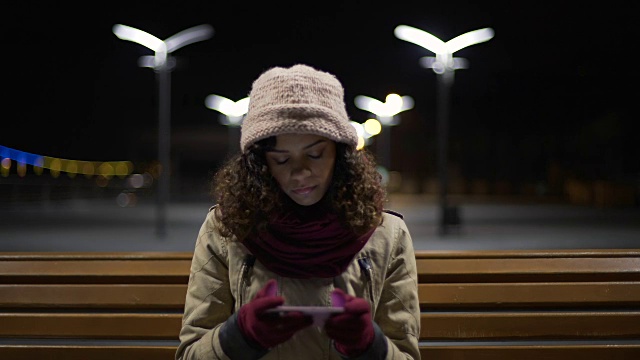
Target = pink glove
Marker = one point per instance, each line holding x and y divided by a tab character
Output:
352	331
269	329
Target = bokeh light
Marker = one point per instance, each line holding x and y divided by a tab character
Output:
372	127
57	165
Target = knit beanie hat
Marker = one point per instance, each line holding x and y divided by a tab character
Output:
298	99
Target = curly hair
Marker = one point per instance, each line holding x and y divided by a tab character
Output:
247	195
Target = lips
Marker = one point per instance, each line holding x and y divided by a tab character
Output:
303	190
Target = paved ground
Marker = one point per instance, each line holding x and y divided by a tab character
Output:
102	225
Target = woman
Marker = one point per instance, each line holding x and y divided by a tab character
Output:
298	221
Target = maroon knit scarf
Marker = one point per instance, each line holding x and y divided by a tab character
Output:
306	242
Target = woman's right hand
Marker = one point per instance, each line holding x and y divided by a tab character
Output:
269	329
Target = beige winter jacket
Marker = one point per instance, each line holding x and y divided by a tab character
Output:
383	272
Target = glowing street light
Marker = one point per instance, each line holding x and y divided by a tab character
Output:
386	114
231	114
162	63
366	130
444	65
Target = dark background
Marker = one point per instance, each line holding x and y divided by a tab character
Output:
551	98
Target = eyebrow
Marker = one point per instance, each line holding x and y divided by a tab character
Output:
306	147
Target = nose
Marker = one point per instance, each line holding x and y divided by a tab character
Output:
300	170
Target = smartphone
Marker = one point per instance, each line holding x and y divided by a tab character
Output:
309	310
319	313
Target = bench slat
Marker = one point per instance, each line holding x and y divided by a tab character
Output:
435	326
22	352
95	271
528	269
530	325
529	352
527	253
97	255
106	296
91	326
530	295
532	352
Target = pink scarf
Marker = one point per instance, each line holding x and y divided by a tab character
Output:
306	242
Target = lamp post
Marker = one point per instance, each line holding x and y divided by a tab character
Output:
444	65
162	63
231	114
386	113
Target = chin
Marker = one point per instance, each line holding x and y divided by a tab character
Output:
305	200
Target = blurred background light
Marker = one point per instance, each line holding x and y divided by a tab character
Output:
232	109
231	115
57	165
386	115
372	127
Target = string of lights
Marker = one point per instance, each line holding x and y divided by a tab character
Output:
55	166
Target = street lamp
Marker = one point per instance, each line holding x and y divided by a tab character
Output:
444	65
162	63
386	113
231	114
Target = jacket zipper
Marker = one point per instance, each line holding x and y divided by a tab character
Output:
367	269
247	264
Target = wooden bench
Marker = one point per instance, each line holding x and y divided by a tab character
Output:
557	304
574	304
88	306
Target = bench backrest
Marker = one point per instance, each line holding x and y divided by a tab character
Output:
576	304
475	304
76	306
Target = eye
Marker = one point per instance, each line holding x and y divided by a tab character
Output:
315	155
280	161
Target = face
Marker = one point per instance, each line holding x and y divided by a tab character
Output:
302	164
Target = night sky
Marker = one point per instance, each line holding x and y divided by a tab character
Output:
556	88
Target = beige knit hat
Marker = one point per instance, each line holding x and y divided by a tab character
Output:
299	99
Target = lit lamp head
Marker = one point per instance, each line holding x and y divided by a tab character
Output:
444	60
161	60
233	111
386	111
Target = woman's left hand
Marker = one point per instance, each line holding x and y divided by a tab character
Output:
352	331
